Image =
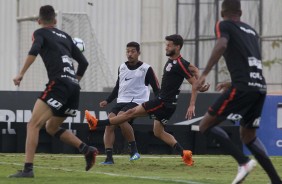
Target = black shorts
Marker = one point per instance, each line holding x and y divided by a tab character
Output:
123	107
241	106
61	97
159	110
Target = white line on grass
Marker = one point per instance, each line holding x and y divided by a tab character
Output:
117	156
109	174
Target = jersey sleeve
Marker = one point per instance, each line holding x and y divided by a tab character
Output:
183	70
222	29
151	79
37	43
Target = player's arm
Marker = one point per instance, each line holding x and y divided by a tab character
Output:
37	42
151	79
112	96
194	70
81	60
223	34
194	93
217	52
28	62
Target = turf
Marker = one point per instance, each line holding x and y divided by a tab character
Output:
153	169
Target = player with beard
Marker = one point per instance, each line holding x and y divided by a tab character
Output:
162	107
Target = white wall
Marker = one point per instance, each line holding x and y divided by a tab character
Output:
8	45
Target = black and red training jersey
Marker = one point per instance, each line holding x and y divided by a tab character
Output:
173	75
58	51
242	56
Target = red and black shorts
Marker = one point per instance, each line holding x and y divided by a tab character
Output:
159	110
239	106
61	97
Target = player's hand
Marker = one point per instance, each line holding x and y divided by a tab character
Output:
190	112
204	87
104	103
17	80
200	83
223	86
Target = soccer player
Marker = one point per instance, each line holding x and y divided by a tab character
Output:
162	107
244	97
132	89
61	97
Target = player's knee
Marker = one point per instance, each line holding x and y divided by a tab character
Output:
58	133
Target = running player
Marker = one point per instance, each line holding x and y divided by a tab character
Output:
244	97
131	90
61	97
162	107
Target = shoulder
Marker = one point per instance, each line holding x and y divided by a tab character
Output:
182	61
145	65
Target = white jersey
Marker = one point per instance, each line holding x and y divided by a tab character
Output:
132	86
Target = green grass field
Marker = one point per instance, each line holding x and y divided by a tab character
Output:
153	169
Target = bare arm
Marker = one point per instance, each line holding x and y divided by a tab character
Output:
217	52
194	70
191	109
28	62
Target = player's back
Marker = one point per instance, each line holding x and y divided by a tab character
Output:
55	48
242	55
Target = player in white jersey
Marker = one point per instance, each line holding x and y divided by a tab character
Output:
132	89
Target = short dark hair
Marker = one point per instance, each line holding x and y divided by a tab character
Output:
134	44
176	39
231	6
47	13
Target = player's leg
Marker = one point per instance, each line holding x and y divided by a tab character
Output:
67	137
253	143
257	148
109	139
169	139
41	113
128	133
138	111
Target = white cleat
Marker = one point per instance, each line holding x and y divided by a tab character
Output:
244	170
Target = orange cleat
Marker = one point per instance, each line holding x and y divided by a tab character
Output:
187	157
91	120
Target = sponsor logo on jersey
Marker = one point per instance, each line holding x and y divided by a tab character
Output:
66	59
69	70
249	31
59	34
254	62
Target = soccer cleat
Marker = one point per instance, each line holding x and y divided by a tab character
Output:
107	162
22	174
187	157
134	157
244	170
91	120
90	157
